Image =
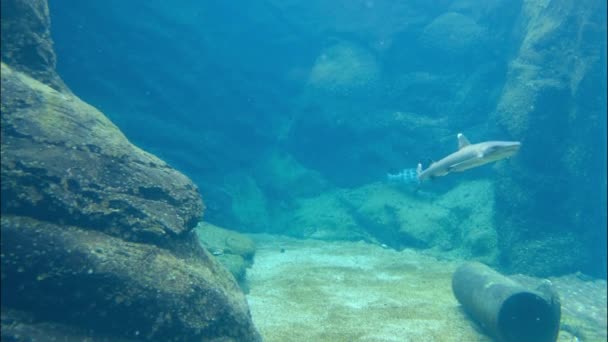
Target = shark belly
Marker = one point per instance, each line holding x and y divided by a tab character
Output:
468	164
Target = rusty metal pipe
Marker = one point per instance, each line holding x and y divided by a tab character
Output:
504	308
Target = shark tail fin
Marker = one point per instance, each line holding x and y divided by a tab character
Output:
405	175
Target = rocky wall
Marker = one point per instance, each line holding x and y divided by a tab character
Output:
97	234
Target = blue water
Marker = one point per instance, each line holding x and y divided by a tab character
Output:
351	91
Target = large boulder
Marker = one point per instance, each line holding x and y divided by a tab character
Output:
110	286
65	162
343	68
97	237
91	221
453	34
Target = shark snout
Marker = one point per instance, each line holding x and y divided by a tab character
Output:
503	149
512	146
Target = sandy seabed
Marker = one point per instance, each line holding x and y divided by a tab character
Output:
311	290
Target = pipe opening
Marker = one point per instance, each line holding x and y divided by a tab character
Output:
526	317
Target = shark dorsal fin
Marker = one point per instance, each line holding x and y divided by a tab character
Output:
462	141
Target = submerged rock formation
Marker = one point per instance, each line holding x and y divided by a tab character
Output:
27	43
457	224
65	162
97	236
550	201
344	68
453	34
233	250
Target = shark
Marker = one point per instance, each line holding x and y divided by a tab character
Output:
466	157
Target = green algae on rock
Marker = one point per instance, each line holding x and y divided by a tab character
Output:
343	68
118	288
550	86
233	250
64	160
458	223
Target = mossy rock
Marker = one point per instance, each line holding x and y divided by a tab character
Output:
27	45
235	264
453	33
64	162
233	250
95	277
344	67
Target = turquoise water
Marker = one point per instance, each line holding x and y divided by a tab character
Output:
274	108
289	170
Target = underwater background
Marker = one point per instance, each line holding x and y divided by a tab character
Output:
285	117
271	107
